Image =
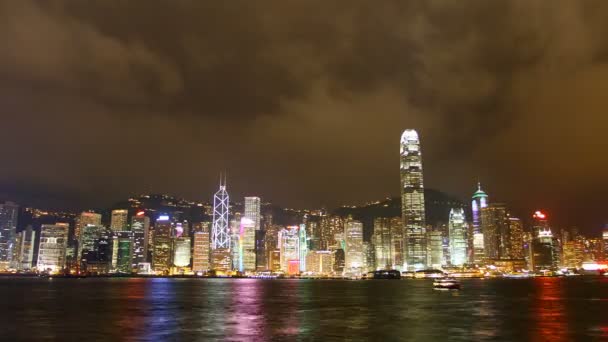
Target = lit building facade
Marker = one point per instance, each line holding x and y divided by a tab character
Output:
330	227
162	251
388	243
8	232
435	249
412	200
252	210
52	247
123	252
544	256
181	252
320	262
353	252
220	232
480	201
200	258
24	249
119	220
303	248
495	228
458	237
516	238
85	218
140	228
246	245
289	247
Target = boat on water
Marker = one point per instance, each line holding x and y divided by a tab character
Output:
386	274
446	284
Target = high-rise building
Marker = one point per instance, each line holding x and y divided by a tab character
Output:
289	247
122	252
119	220
89	236
303	249
252	210
8	232
162	252
574	253
246	245
24	249
605	242
495	228
85	218
181	248
200	258
516	239
330	227
320	262
412	200
52	247
220	232
388	243
140	227
457	237
435	249
353	252
544	254
480	201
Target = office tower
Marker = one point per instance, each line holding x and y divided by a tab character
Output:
412	200
202	244
119	220
85	218
252	210
387	241
8	232
271	245
516	237
274	260
303	248
140	227
574	253
89	236
122	252
24	249
495	228
339	261
605	242
52	247
246	245
457	237
289	245
220	233
330	227
544	256
181	248
161	254
480	201
260	250
104	257
435	248
369	257
320	262
353	252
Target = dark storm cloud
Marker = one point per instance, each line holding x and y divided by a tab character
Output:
303	102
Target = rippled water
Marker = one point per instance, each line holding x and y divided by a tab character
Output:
541	309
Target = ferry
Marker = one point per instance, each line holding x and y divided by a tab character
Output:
446	284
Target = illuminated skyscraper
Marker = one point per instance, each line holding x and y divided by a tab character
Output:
140	227
85	218
544	254
119	220
122	250
24	249
480	201
246	245
181	250
330	227
457	237
220	232
52	248
162	252
605	242
495	228
252	210
8	232
200	258
303	249
412	200
353	253
516	239
289	247
435	249
320	262
89	236
388	243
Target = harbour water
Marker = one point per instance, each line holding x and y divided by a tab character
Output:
139	309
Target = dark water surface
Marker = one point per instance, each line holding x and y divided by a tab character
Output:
96	309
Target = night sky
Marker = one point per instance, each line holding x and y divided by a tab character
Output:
303	102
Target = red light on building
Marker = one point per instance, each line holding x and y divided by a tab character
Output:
140	213
293	267
539	215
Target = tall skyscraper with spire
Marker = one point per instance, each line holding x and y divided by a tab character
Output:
220	233
412	200
480	201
